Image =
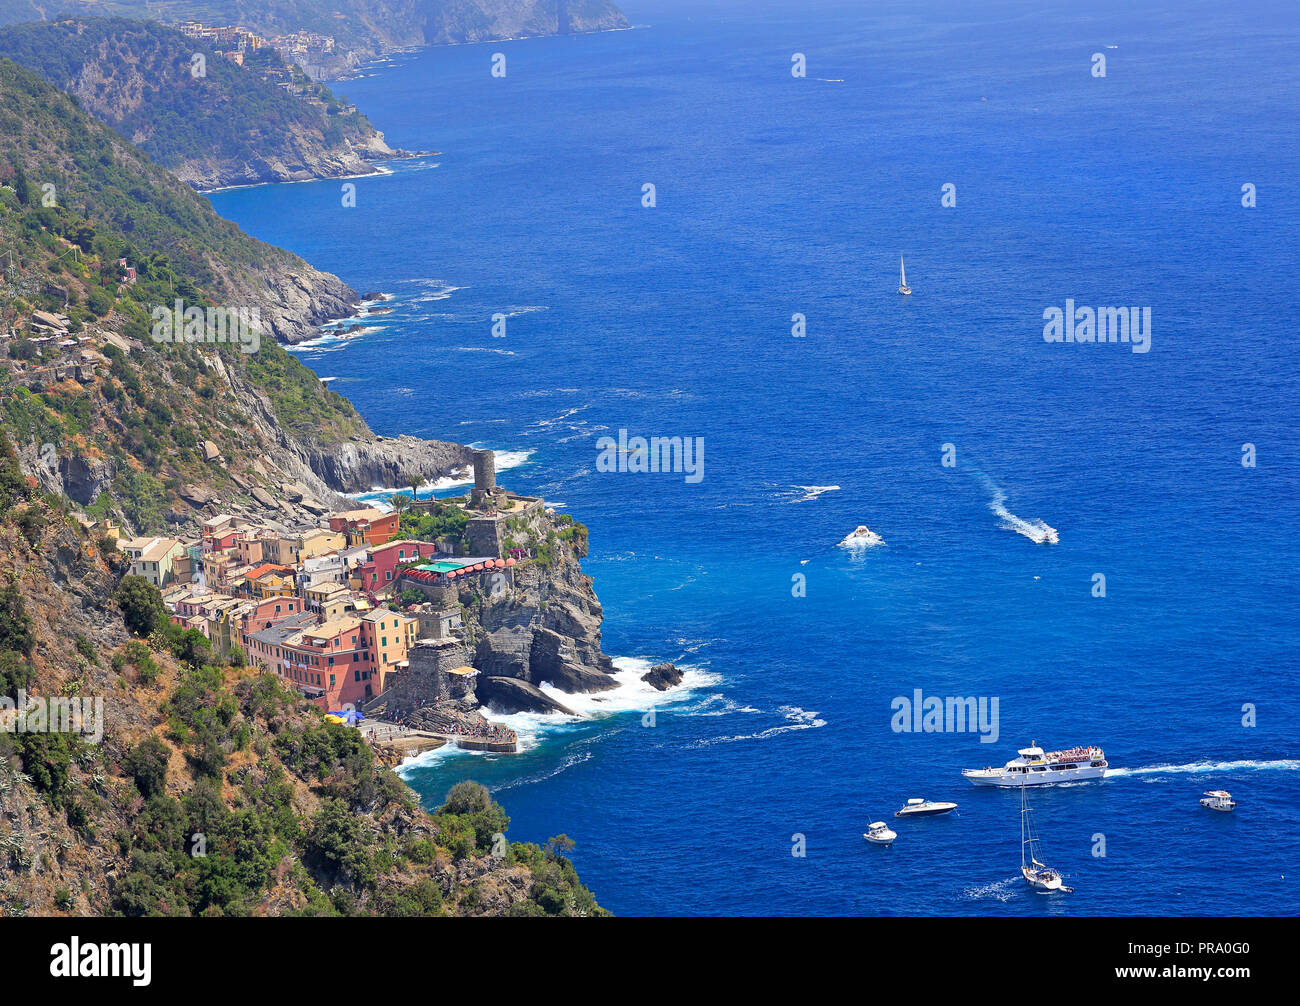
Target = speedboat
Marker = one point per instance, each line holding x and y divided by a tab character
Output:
916	807
1218	799
1036	767
878	833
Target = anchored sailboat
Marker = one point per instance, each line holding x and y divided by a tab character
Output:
902	277
1038	875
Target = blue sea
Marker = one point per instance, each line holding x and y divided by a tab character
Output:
748	790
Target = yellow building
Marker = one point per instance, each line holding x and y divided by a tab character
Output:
153	558
292	549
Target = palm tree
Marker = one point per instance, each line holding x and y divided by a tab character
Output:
400	502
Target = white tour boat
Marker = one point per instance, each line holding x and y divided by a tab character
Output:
1041	877
1036	767
878	833
916	807
902	278
1218	799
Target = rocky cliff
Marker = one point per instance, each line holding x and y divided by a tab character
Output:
201	788
362	29
543	626
293	813
213	123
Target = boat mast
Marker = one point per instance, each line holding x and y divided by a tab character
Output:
1023	809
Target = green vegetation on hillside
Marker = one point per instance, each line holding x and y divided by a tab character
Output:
137	76
74	200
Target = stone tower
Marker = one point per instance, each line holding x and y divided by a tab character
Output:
485	478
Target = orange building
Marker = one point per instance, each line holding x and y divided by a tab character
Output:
365	527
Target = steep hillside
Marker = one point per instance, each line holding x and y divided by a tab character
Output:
218	123
366	27
274	431
195	785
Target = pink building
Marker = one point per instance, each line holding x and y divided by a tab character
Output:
268	613
380	571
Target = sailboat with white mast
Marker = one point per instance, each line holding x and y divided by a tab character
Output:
1041	877
902	278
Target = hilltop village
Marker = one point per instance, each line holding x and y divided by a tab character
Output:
350	613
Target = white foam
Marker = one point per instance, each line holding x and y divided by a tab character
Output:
999	890
861	538
632	695
1036	530
433	290
505	460
795	719
812	492
1196	767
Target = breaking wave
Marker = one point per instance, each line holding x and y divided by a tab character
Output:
795	719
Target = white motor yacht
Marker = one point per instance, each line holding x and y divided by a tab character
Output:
1219	799
1036	767
878	833
916	807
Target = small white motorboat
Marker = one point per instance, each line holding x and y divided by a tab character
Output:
916	807
878	833
1218	799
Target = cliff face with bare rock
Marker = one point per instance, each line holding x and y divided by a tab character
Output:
362	29
105	422
544	627
212	124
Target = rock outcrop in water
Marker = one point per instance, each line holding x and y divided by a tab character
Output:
511	695
663	677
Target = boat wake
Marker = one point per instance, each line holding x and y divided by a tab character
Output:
999	890
1198	767
812	492
861	538
1036	530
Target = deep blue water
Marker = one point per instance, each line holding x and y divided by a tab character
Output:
778	195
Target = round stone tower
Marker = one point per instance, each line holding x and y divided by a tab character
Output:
485	479
485	471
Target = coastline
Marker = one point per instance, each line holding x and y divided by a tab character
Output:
378	169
